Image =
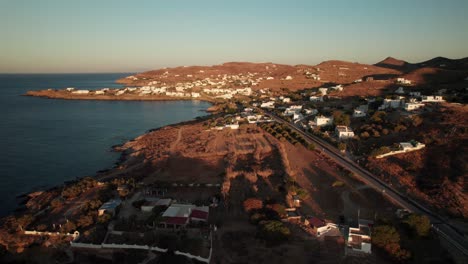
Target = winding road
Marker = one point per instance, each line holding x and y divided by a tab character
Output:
440	224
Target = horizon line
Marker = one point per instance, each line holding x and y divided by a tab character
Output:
239	61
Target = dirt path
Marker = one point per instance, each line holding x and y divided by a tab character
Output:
174	144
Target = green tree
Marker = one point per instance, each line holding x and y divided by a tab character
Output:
387	238
385	235
341	119
273	231
342	146
378	117
420	224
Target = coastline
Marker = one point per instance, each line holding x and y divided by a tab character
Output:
109	172
59	94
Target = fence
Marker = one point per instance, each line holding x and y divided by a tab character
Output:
75	234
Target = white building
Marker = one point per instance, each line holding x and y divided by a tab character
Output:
270	104
288	78
225	96
286	100
232	126
344	132
358	239
432	98
412	106
81	92
412	145
323	91
403	81
311	111
323	121
360	111
338	87
195	95
390	103
316	99
297	117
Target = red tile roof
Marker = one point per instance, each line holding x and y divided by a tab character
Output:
199	214
176	220
316	222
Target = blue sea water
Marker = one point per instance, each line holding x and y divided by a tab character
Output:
45	142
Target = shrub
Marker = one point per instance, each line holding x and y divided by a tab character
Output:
380	151
387	238
378	117
256	218
420	224
338	184
273	231
311	146
252	204
279	209
342	146
399	128
365	135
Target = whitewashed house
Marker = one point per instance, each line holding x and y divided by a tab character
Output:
323	121
81	92
344	132
413	106
310	111
403	81
411	146
269	104
432	98
358	240
316	99
360	111
390	103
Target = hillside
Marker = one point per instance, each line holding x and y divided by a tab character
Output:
382	76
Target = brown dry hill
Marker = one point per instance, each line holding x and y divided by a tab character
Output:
396	64
383	74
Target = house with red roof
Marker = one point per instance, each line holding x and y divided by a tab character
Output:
180	215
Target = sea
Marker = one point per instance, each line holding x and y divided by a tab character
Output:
45	142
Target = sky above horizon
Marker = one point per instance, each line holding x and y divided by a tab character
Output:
57	36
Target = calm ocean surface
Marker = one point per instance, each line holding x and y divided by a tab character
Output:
46	142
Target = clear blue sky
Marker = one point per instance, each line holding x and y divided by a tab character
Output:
125	36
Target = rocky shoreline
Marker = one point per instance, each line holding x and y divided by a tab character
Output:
61	94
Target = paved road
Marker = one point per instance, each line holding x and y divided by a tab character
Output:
439	223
